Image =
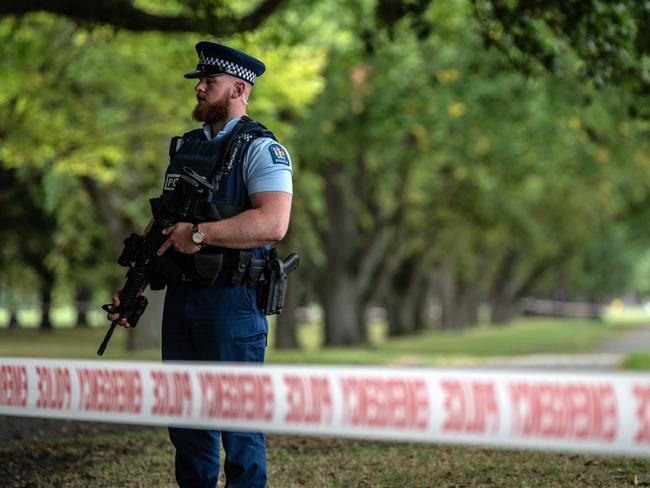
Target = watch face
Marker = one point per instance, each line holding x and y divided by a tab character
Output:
197	237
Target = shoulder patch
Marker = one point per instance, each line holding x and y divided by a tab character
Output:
278	154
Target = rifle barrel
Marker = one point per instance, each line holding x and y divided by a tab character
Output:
107	337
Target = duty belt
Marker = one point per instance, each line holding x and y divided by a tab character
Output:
207	266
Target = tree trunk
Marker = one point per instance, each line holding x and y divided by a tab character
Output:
503	306
340	293
344	323
461	312
503	310
460	301
286	323
13	318
400	318
423	303
149	326
507	290
147	334
402	299
46	296
82	303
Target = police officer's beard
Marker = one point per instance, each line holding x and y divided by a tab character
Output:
212	112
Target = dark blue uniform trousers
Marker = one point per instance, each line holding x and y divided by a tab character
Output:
216	323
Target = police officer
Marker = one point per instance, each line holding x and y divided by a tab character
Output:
215	317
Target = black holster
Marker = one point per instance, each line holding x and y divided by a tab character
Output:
273	286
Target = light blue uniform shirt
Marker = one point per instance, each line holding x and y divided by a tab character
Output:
267	164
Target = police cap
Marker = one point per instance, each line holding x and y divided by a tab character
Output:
217	59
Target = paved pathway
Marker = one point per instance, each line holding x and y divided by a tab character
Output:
637	340
607	356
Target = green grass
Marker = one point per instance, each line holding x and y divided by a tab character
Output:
637	361
144	458
524	336
62	316
68	343
627	315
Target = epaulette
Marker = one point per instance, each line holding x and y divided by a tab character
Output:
243	136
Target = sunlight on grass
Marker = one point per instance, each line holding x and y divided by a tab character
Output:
434	347
63	316
637	361
626	315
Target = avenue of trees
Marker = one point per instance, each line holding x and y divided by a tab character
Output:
446	154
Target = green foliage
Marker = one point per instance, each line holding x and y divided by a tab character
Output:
469	161
431	147
90	112
603	41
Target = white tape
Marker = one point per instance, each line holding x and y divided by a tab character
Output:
607	413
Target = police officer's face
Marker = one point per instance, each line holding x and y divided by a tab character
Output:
213	95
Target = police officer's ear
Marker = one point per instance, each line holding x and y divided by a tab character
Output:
238	89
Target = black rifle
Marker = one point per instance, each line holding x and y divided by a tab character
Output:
139	254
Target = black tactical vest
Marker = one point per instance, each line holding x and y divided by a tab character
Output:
226	171
221	162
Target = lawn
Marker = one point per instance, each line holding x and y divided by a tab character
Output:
435	347
144	458
637	360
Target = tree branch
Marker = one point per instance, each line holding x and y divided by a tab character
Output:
122	14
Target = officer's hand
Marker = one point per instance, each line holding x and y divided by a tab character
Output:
114	316
180	238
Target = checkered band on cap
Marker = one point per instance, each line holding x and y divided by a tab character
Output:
227	67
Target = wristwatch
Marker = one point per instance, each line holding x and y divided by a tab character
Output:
197	236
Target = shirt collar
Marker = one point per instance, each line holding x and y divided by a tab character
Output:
230	125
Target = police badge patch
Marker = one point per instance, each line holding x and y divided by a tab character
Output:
278	154
170	181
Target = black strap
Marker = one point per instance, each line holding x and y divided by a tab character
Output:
218	170
242	266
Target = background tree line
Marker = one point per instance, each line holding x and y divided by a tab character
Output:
446	153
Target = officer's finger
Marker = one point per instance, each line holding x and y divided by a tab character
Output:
164	247
169	229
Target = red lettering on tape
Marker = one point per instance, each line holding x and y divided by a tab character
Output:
172	393
386	403
309	399
105	390
470	406
564	411
53	386
13	386
238	396
642	412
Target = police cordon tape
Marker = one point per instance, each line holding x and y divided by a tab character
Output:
597	413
